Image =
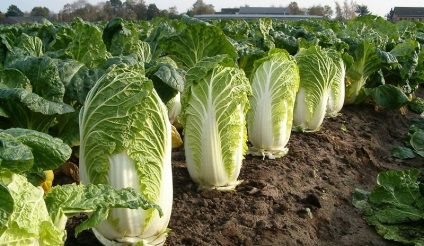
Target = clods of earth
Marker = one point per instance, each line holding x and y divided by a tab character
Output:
304	198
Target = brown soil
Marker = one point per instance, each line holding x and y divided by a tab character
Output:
303	198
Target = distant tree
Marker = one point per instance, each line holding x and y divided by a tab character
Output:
152	11
164	13
2	16
173	13
339	12
107	12
190	12
138	7
316	10
80	8
87	13
390	15
201	8
13	10
319	10
40	11
294	9
362	10
347	11
116	3
79	4
328	12
127	13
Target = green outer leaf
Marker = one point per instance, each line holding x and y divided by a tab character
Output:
3	114
196	42
31	44
167	80
275	82
151	145
407	55
49	152
402	153
121	38
248	58
407	234
99	199
387	96
77	78
406	29
14	155
159	31
360	199
43	74
417	140
398	190
367	60
417	105
112	28
87	45
171	76
21	103
33	102
14	78
264	26
6	206
30	223
395	206
67	129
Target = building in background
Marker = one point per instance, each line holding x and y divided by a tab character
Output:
27	19
408	13
249	13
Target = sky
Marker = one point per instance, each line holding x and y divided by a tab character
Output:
377	7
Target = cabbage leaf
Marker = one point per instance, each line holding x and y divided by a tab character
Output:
196	42
395	206
33	220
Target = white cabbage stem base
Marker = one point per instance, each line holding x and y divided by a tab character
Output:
229	187
271	154
127	241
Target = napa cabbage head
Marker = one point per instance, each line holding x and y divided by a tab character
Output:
214	104
275	82
336	98
126	142
317	73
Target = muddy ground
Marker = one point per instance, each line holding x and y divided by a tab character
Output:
303	198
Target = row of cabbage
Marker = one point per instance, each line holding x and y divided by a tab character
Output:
115	92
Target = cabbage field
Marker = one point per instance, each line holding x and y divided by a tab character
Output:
226	132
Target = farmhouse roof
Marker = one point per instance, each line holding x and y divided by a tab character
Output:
25	19
409	11
229	11
249	13
264	10
255	16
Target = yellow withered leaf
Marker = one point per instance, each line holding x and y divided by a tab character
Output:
177	141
